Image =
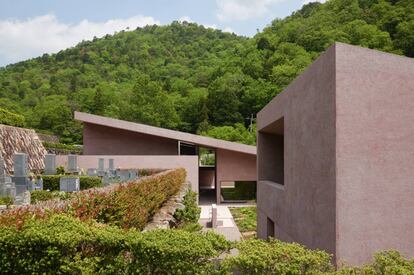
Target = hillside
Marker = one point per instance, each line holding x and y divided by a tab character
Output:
186	77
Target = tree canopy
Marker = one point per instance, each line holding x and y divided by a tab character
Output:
187	77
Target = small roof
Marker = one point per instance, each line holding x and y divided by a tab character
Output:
165	133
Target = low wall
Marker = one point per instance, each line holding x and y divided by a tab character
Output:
189	163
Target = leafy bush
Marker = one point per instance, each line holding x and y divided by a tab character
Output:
40	195
66	245
64	148
11	119
127	205
191	211
44	195
386	262
56	246
176	252
132	204
51	182
60	170
6	201
149	172
276	257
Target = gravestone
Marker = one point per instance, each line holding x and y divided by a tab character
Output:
20	165
2	168
39	184
69	184
123	175
111	168
50	164
21	174
106	180
133	174
73	164
31	185
7	187
111	165
101	167
92	172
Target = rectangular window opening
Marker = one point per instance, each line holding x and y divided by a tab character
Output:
271	152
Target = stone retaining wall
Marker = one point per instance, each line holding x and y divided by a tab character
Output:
164	218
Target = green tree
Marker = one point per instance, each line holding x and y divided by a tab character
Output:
235	133
52	113
223	99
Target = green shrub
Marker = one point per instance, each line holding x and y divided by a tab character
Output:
57	246
66	245
60	170
11	119
149	172
191	211
40	195
44	195
276	257
176	252
127	205
65	148
6	201
51	182
386	262
131	204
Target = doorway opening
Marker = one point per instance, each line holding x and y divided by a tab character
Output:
207	175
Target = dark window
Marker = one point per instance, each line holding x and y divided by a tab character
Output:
271	152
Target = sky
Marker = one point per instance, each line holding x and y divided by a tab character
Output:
29	28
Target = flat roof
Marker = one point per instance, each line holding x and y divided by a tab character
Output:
165	133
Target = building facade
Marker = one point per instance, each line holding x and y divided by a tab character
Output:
336	156
233	163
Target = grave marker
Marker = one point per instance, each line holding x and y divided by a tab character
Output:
69	184
73	164
50	164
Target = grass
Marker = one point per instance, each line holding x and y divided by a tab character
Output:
242	191
245	218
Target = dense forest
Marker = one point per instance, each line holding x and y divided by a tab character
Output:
187	77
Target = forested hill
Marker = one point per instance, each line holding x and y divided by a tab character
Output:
187	77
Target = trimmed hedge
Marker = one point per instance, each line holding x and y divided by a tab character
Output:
51	182
11	119
128	205
65	245
64	148
277	257
131	204
44	195
40	195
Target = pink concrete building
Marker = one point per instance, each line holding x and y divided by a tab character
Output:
233	163
336	156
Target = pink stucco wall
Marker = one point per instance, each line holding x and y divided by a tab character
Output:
303	209
374	153
190	163
348	151
102	140
234	166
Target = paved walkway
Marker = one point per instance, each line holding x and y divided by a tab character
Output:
226	225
